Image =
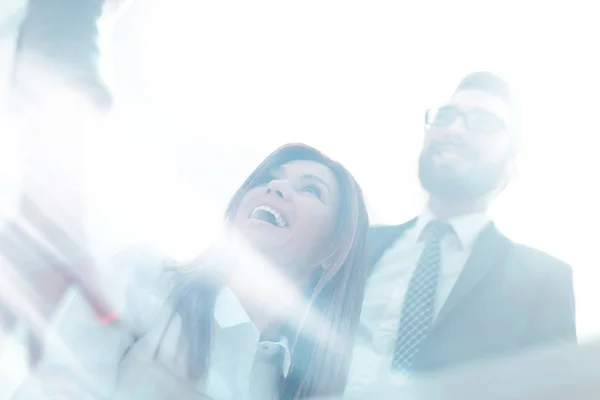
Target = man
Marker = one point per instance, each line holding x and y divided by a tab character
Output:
447	288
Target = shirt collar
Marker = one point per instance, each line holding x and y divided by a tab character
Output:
466	227
229	312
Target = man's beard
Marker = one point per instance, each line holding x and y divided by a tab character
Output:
460	186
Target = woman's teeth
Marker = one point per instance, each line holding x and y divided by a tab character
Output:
269	214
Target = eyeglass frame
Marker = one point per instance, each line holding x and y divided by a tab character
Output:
464	115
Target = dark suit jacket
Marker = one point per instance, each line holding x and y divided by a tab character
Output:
508	298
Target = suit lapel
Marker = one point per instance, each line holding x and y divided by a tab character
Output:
489	249
382	237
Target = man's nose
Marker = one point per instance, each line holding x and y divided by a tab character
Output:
457	127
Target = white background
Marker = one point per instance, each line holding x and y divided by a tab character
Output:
208	89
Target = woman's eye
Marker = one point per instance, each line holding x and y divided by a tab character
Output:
313	189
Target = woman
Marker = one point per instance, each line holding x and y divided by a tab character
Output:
292	287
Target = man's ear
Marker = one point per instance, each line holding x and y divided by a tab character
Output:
510	173
512	168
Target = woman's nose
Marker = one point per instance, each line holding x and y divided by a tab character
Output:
280	187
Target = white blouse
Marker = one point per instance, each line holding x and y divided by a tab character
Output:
117	362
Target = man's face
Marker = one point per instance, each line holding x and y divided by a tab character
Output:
467	148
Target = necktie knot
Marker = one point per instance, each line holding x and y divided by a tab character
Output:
436	230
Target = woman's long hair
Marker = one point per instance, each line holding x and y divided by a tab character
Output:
321	353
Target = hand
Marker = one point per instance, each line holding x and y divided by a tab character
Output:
39	265
43	251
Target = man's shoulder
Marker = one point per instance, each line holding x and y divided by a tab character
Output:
380	231
379	238
381	227
539	260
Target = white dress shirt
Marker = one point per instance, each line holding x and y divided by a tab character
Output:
387	287
119	363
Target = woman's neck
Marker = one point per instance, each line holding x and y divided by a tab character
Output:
267	299
251	302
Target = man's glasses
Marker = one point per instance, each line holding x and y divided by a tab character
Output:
476	121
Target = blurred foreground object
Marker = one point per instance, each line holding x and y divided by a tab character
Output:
57	96
566	372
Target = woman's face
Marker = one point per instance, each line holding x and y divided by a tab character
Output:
291	212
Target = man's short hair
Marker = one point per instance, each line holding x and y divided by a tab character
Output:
488	82
493	84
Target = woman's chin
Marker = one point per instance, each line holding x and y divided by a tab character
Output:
263	235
